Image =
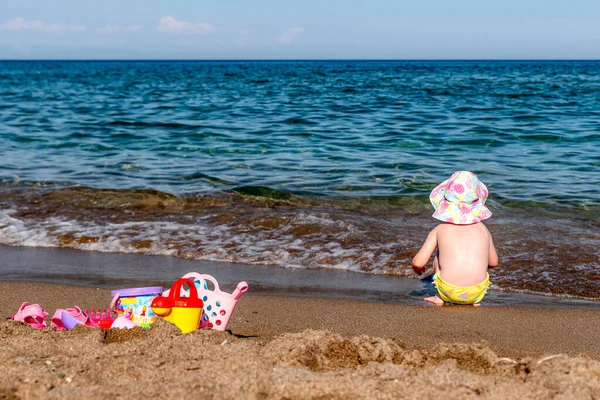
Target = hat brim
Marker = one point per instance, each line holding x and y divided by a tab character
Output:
465	214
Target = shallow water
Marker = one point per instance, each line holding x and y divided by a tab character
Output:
115	271
304	164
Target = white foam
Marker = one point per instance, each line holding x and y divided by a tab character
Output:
14	231
198	239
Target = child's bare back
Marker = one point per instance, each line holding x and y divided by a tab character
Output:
464	253
465	248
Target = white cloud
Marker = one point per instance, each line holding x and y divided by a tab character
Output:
110	29
291	35
21	25
171	25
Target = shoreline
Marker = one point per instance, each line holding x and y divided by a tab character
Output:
257	227
120	270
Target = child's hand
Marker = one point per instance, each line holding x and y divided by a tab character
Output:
418	270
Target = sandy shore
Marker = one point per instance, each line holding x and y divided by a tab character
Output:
298	347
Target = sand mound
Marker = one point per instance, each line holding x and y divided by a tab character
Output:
324	351
91	363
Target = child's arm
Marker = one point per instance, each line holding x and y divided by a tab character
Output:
422	258
493	261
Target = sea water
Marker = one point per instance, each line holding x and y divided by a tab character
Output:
305	164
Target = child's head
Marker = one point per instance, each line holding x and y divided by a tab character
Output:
461	199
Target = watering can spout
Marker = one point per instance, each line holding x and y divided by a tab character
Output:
241	288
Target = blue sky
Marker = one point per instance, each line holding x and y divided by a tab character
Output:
307	29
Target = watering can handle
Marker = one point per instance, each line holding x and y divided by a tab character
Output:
203	277
213	280
195	276
176	289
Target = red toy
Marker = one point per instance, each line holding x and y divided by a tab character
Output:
103	318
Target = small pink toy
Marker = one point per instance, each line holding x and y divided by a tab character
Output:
103	318
58	318
124	321
32	314
68	321
218	305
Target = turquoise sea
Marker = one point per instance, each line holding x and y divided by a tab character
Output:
304	164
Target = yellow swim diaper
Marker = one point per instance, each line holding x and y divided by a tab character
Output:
461	295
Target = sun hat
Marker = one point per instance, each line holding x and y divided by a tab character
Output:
461	199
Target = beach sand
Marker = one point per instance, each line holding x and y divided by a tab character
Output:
304	348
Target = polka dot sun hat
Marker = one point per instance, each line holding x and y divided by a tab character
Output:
460	200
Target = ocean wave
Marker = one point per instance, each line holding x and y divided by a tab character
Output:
546	254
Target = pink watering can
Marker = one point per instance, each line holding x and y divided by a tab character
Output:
218	305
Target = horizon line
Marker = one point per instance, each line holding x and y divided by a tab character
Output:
299	59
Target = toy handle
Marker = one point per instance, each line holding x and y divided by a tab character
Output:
203	277
176	289
190	275
195	276
114	302
213	280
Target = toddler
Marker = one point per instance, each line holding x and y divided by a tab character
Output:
464	245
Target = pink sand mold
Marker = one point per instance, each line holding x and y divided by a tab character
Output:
32	314
75	312
68	321
218	305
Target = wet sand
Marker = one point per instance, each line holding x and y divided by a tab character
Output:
302	347
118	270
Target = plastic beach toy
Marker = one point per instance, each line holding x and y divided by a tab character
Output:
57	320
101	318
32	314
136	301
68	321
123	322
218	305
182	311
